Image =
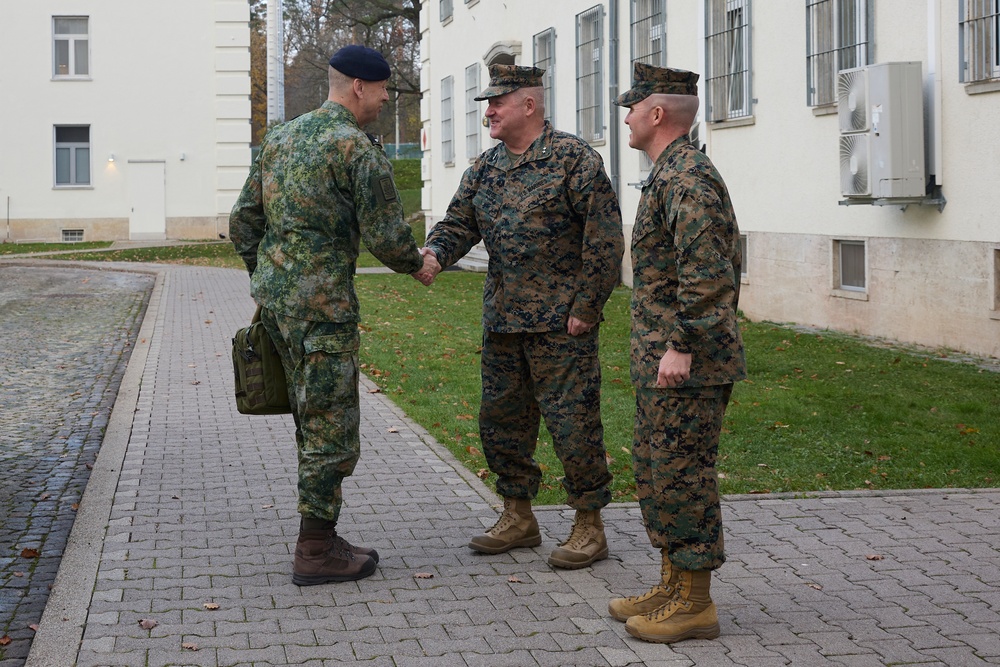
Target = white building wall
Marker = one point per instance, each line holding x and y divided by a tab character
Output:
169	84
933	276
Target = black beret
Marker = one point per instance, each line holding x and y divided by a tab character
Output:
360	62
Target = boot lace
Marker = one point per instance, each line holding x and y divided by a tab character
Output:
579	536
654	591
669	609
505	521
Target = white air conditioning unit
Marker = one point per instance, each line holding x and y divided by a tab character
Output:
881	114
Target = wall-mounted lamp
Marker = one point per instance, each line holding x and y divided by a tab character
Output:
111	157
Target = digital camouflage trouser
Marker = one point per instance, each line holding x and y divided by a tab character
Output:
321	365
552	375
675	445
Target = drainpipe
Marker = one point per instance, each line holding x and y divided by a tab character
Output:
932	92
614	131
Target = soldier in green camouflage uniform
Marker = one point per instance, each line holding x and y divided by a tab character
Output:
319	186
545	209
686	354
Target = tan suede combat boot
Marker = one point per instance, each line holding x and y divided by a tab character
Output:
691	614
585	544
622	609
321	556
516	527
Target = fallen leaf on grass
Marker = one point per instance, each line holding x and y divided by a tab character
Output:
147	623
472	450
482	473
423	575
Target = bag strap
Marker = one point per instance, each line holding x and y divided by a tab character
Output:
256	315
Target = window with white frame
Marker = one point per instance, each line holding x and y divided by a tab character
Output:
980	35
648	32
744	272
446	9
447	120
589	74
838	36
648	44
850	267
727	58
72	155
545	58
70	47
472	117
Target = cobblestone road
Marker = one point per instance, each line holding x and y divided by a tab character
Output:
59	374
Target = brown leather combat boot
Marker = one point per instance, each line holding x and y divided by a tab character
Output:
322	557
308	523
586	542
516	527
691	614
622	609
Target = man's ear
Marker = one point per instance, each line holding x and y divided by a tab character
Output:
658	115
358	86
529	105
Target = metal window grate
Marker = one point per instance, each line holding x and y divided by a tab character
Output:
727	56
472	117
980	36
72	235
545	58
589	74
447	120
649	32
838	36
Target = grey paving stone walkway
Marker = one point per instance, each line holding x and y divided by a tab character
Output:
192	505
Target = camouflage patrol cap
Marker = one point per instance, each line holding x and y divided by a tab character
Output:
508	78
648	80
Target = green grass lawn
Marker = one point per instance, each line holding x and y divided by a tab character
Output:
819	412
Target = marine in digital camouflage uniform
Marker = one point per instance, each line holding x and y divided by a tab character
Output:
317	188
549	218
686	353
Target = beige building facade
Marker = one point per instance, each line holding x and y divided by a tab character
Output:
857	138
122	120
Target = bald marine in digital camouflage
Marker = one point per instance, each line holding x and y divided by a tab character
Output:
543	206
686	355
318	187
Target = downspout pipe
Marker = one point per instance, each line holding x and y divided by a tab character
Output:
932	93
614	132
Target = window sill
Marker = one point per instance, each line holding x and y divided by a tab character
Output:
980	87
995	314
743	121
825	110
449	164
67	77
447	19
744	280
849	294
82	186
471	3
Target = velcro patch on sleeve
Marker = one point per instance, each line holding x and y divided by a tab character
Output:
385	189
